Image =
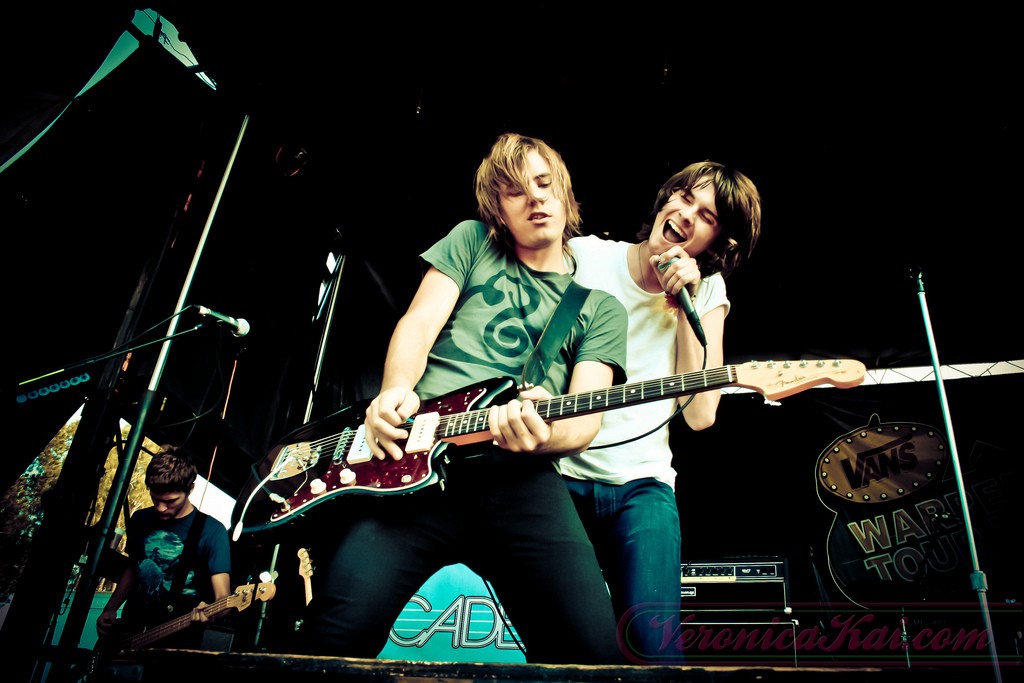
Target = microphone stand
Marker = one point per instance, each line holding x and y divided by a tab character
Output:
71	635
119	351
978	581
319	362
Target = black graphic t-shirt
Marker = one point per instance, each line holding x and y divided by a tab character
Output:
156	547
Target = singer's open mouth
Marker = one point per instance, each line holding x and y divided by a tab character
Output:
671	233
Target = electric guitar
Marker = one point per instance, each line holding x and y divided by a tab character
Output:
240	599
306	470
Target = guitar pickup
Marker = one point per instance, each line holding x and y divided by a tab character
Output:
421	434
360	451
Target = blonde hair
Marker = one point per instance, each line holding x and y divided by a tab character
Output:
505	166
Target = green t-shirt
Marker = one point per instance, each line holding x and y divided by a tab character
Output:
502	310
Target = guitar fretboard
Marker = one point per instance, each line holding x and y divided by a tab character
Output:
620	396
237	600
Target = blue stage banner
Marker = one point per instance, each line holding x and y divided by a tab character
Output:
453	618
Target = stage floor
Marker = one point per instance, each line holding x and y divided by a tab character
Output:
159	665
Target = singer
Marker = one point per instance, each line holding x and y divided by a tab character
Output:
706	219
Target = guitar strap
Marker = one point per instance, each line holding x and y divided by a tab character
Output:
188	559
554	334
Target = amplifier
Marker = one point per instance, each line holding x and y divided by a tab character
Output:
747	585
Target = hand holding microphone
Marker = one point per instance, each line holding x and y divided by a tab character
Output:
686	304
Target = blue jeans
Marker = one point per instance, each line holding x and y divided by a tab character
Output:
636	533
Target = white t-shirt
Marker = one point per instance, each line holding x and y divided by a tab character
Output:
650	354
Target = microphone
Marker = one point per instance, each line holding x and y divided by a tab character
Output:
686	304
239	326
683	297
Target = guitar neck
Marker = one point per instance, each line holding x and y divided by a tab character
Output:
620	396
239	600
774	380
173	626
625	395
306	572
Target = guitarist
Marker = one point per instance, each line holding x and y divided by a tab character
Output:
488	290
179	559
706	219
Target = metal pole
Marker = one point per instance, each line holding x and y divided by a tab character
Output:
72	633
978	582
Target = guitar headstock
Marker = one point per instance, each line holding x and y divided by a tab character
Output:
265	591
779	379
244	595
305	564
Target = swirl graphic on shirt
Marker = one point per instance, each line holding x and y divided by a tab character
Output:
491	327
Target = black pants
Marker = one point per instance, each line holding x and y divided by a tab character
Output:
510	520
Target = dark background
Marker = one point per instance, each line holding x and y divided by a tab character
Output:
886	148
887	155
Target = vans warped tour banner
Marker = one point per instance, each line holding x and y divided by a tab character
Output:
857	490
915	550
899	532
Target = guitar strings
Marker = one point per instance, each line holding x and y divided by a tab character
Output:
476	420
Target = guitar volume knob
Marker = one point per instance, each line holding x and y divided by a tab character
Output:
346	476
317	487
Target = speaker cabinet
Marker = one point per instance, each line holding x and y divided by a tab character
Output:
737	612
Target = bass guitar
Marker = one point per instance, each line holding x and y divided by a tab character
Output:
308	470
240	599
